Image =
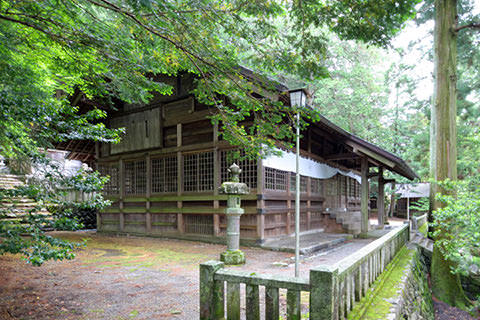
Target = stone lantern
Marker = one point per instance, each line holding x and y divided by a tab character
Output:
234	189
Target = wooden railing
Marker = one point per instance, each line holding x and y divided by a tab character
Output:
333	289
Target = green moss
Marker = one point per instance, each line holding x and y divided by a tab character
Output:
423	229
375	305
114	252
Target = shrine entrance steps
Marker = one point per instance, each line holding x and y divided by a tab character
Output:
310	242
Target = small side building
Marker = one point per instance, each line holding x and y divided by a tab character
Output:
410	195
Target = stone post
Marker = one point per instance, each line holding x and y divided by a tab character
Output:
233	254
323	293
211	292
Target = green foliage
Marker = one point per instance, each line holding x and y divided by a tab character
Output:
420	206
25	233
407	134
370	21
67	224
456	225
354	96
29	240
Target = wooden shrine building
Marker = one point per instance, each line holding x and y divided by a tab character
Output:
166	172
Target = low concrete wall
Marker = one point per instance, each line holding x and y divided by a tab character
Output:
417	222
401	292
414	298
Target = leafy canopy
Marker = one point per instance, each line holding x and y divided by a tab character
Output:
52	52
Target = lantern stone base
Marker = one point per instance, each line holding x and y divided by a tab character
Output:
232	257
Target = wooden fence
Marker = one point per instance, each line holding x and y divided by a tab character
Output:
333	289
77	196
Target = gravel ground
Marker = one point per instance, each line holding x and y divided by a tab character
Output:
130	278
445	312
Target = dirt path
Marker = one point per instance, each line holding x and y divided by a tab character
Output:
128	278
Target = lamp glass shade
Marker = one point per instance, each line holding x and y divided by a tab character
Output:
298	98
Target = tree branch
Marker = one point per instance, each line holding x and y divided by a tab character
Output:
473	25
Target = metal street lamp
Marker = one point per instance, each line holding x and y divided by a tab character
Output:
298	99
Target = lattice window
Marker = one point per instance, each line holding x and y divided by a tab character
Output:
269	178
357	189
351	187
135	173
198	172
164	175
293	183
343	185
332	186
249	167
205	172
303	183
111	170
316	185
198	223
275	179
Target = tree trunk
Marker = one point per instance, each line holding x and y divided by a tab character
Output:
443	152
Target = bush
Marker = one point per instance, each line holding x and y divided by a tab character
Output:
457	225
49	190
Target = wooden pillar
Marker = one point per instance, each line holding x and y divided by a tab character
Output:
309	203
260	201
121	177
392	200
216	180
381	198
97	152
180	224
364	197
339	190
148	215
408	208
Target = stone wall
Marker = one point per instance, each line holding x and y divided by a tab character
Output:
414	298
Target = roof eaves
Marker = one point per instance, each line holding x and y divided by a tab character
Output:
395	163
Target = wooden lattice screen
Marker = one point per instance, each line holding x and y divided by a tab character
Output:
293	183
198	172
135	173
249	167
275	179
111	170
353	188
332	186
164	174
316	185
198	224
343	185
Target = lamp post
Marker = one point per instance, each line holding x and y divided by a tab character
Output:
298	100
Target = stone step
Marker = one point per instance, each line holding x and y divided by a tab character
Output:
18	203
17	200
11	183
8	175
355	231
20	214
10	178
